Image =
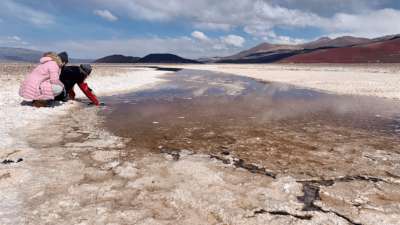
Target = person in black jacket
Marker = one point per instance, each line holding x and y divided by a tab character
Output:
71	75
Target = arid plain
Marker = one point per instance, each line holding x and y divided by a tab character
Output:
210	144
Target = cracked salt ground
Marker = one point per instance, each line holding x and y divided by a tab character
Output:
77	184
300	165
273	130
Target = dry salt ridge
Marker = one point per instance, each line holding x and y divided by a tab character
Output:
61	166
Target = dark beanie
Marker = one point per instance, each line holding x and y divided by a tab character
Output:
87	68
64	57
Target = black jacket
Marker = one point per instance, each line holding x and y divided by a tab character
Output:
71	75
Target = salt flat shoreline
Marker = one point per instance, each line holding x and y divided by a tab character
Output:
82	175
371	80
103	82
17	119
379	80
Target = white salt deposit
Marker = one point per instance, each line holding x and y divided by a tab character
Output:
370	80
90	180
15	117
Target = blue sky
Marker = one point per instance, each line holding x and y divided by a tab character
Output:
191	28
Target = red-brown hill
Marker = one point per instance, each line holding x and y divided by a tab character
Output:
268	53
344	41
385	51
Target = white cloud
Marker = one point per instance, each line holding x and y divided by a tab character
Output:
15	38
260	17
234	40
369	24
213	26
221	43
200	36
328	8
12	41
286	40
22	12
105	14
212	14
272	37
183	46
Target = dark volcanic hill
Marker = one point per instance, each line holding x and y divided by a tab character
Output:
117	59
165	58
386	51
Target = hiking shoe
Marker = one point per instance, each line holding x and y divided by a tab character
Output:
39	103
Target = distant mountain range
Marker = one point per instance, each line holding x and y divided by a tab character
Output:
345	49
151	58
19	55
381	51
8	54
335	43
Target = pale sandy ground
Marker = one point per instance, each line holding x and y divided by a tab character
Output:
102	81
371	80
14	117
75	173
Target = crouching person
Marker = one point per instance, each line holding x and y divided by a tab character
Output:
43	83
71	75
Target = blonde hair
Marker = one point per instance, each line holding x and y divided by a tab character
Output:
54	57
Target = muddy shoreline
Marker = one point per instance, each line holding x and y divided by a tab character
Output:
85	174
283	128
324	149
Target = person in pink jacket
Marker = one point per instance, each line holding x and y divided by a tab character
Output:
43	83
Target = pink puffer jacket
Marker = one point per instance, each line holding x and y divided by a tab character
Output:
38	84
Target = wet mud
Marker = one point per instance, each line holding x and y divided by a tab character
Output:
269	128
206	148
